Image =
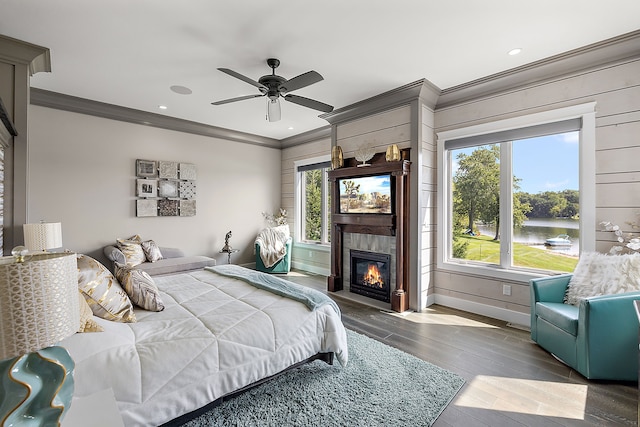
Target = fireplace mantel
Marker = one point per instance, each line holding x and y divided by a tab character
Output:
394	224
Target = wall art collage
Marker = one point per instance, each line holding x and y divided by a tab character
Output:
165	188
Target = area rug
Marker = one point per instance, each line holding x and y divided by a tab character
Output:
380	386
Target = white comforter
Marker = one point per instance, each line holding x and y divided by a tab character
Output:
216	335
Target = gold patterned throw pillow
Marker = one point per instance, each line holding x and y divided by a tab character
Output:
103	293
132	250
87	324
140	288
151	251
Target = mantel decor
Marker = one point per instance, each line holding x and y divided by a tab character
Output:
165	188
388	222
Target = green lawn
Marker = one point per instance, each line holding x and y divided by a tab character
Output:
484	249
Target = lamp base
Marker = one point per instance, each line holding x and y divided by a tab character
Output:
36	389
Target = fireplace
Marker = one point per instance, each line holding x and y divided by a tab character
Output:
371	275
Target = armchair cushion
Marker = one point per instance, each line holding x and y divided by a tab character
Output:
563	316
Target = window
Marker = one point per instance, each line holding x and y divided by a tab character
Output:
516	195
314	202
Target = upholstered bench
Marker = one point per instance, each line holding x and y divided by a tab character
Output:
173	261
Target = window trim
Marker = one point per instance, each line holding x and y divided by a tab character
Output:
298	199
587	169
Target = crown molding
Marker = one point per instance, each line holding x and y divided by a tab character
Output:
45	98
303	138
38	58
422	89
588	57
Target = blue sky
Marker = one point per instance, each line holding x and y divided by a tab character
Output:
548	163
380	184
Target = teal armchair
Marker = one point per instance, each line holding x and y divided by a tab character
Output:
599	338
281	267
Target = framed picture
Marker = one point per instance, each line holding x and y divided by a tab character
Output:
187	171
147	187
146	168
168	207
187	189
168	170
146	207
187	207
168	188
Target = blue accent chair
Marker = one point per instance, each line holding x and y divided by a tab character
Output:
599	338
281	267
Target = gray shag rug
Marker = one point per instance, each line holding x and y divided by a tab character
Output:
380	386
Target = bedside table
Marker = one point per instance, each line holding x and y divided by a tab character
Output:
97	410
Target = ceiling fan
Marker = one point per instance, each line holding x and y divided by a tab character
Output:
273	87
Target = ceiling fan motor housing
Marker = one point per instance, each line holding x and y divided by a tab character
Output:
272	82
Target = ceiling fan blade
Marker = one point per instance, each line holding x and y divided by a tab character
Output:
239	98
243	78
301	81
309	103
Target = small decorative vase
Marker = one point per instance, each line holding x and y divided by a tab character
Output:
337	160
393	153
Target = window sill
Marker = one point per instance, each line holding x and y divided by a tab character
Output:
313	246
494	272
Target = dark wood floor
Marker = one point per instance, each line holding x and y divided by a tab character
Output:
510	381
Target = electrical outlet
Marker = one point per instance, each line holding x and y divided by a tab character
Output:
310	254
506	289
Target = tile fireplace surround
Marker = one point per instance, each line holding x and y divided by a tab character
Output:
382	233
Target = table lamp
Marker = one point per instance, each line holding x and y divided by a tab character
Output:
38	308
42	236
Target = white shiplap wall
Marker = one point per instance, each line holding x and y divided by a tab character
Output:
616	90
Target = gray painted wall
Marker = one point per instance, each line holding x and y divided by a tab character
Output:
82	173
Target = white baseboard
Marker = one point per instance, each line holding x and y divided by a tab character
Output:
310	268
509	316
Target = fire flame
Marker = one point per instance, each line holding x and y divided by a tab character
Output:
373	277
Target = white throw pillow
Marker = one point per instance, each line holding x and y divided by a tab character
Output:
601	274
140	287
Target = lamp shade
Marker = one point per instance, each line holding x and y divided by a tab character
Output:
273	109
39	304
43	235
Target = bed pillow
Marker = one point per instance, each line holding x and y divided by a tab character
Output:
103	293
140	287
87	324
132	250
601	274
151	251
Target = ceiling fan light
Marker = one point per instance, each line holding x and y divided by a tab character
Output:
273	110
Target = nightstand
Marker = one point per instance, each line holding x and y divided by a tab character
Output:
97	410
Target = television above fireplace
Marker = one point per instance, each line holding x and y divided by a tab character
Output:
366	195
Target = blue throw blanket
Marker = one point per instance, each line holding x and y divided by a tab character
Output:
309	297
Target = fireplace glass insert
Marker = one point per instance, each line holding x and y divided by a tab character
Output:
370	275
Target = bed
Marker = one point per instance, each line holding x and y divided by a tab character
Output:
216	335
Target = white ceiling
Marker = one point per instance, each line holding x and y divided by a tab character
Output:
129	53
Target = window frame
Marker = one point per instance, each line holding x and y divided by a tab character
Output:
299	200
585	112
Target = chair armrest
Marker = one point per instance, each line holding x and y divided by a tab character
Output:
549	289
608	322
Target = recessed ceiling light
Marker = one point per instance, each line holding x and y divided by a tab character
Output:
162	107
181	90
290	128
515	51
